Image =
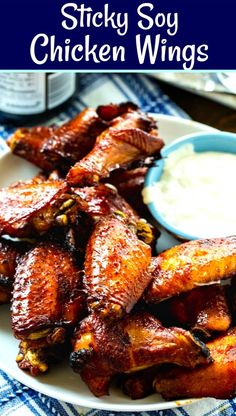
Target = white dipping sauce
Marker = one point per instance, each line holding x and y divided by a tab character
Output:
197	192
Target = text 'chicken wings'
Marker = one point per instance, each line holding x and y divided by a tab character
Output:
137	342
116	265
217	379
47	298
190	265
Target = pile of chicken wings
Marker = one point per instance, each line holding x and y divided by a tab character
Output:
79	268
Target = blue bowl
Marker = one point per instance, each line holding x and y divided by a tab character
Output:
202	142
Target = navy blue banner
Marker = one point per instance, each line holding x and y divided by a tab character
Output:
117	35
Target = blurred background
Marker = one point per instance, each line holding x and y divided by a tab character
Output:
36	97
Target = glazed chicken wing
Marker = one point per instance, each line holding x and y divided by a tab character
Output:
127	139
58	147
116	268
204	310
29	207
190	265
103	200
137	342
47	298
73	140
28	143
217	379
10	253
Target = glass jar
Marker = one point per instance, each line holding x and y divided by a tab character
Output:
32	97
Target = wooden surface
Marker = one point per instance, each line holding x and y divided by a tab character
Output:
202	110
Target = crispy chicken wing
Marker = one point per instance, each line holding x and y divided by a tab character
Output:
137	342
217	379
127	139
190	265
28	143
73	140
29	207
10	253
95	203
103	200
116	265
58	147
47	298
204	310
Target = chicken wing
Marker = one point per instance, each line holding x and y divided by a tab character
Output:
116	268
103	200
28	143
137	342
58	147
73	140
47	299
204	310
218	379
29	207
10	253
190	265
129	138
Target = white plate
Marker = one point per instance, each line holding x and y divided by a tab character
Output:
61	383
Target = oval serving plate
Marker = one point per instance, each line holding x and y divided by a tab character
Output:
61	383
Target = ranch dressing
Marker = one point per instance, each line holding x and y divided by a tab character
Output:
196	192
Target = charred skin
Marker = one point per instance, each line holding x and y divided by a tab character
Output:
139	341
116	264
73	140
10	254
47	299
217	379
127	139
192	264
204	310
29	208
28	143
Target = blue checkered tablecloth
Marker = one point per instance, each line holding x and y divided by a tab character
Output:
19	400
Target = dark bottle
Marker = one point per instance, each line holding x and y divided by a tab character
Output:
28	98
